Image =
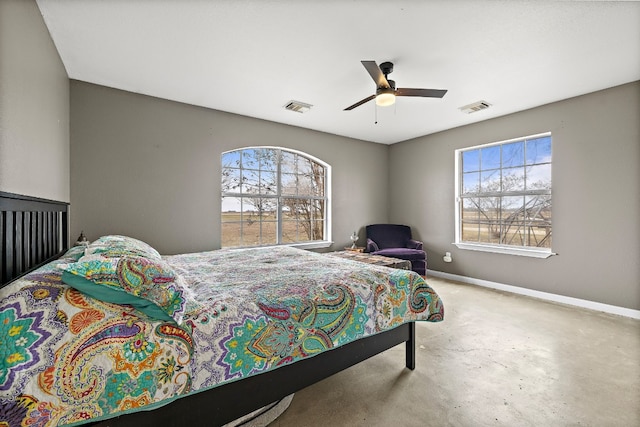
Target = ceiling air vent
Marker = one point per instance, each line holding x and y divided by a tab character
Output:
298	107
476	106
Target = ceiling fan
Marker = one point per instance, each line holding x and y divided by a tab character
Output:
386	91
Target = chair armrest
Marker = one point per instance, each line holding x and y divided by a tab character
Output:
414	244
371	246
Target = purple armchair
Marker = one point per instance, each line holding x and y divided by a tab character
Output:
395	241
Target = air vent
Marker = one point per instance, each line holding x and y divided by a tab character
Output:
476	106
298	107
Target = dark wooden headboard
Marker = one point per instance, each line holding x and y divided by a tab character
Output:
33	231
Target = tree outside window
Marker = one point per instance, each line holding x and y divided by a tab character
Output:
272	196
504	194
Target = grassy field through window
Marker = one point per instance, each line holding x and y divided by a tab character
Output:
504	193
255	230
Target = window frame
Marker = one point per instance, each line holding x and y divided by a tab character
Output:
278	196
529	251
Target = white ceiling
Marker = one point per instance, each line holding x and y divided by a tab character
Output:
251	57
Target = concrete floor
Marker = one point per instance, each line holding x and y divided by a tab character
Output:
498	359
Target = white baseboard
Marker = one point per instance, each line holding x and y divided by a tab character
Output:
620	311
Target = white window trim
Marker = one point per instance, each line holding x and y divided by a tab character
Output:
318	244
487	247
314	244
508	250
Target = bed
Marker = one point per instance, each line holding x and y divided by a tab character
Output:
232	342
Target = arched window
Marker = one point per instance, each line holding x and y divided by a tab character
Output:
273	196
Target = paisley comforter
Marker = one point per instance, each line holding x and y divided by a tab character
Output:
67	358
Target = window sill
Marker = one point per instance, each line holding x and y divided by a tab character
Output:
312	245
533	253
304	245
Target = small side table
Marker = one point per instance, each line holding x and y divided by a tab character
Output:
373	259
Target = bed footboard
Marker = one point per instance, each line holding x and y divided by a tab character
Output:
229	402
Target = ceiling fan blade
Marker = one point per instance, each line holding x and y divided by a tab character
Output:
427	93
376	74
359	103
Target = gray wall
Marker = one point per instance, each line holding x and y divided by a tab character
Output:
596	197
150	168
34	106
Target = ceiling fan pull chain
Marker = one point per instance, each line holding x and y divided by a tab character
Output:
376	114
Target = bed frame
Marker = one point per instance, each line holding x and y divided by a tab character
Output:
35	231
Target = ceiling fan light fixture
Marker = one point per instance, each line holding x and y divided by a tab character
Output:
385	97
386	91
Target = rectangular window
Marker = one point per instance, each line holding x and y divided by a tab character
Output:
503	197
